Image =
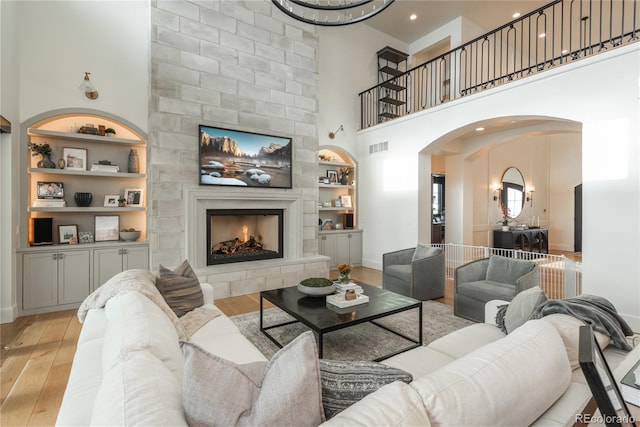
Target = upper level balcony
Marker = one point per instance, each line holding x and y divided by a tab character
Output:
559	33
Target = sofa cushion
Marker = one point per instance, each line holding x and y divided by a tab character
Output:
507	270
521	307
569	329
139	390
424	251
346	382
486	290
180	288
400	271
285	391
137	324
491	383
395	404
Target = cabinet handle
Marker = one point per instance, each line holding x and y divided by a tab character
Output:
324	238
124	252
119	251
55	256
60	256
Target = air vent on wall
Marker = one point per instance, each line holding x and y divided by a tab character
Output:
380	146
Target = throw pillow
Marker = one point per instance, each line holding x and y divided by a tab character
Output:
283	392
345	383
569	329
521	307
424	251
180	288
507	270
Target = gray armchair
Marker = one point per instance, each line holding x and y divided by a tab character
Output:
486	279
415	272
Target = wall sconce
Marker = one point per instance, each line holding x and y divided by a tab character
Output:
333	134
88	88
530	191
497	188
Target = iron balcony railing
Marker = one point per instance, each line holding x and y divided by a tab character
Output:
559	33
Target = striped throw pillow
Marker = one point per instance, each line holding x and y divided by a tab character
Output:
346	382
180	288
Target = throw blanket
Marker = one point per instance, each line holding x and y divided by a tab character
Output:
143	281
593	310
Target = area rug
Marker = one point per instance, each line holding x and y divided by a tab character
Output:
361	342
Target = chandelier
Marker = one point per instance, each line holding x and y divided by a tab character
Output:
331	13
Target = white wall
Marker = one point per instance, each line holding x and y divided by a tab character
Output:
63	39
608	110
9	107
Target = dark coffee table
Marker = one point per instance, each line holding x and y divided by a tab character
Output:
314	313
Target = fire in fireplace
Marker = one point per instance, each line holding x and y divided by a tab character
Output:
237	235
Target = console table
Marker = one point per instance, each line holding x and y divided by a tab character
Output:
531	240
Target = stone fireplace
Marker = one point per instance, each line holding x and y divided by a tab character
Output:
229	278
241	235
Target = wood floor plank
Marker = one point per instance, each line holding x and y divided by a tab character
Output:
21	399
19	356
46	409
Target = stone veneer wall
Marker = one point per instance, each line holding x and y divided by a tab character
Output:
241	65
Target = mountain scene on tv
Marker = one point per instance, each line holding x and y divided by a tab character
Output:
244	159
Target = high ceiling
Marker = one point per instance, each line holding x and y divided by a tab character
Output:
432	14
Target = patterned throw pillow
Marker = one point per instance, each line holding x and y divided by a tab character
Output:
344	383
283	392
180	288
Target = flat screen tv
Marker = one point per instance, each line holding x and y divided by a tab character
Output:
244	159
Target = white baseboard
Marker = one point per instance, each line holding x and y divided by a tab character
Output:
8	314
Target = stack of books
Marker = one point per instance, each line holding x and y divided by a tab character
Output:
630	385
49	203
342	287
104	168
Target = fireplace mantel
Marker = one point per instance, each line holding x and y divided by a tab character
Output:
198	201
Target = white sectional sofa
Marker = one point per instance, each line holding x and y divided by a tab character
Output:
128	367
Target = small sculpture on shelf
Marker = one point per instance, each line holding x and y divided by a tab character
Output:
122	202
45	151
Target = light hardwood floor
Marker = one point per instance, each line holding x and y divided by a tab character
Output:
36	354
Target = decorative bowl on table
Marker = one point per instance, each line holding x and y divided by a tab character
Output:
317	287
83	199
129	236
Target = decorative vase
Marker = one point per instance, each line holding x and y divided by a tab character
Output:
83	199
134	161
46	162
505	228
344	278
344	179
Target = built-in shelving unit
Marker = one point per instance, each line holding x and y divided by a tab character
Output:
340	239
58	276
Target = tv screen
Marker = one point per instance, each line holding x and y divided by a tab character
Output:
244	159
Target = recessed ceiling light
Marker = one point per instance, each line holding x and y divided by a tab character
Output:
516	15
480	129
413	17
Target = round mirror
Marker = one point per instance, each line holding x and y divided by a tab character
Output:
512	195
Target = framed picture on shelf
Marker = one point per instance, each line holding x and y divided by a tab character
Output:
346	201
133	196
111	200
107	228
68	233
50	190
75	158
85	237
333	176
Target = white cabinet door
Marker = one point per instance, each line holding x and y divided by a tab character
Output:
73	276
342	250
106	264
355	249
328	248
39	280
136	257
